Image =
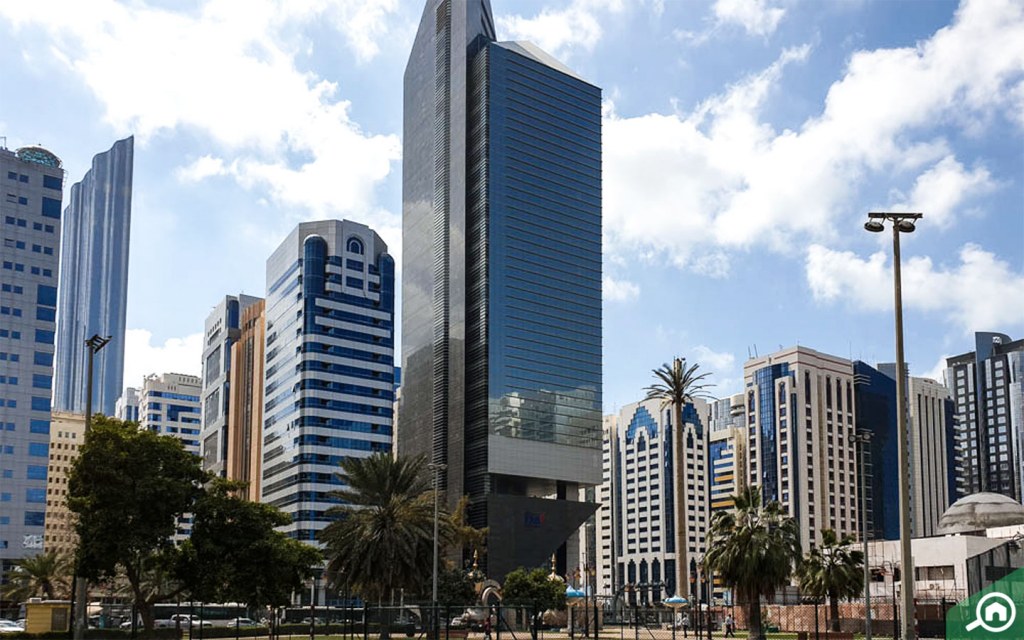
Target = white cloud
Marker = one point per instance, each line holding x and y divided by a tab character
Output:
715	362
228	70
937	372
981	291
575	27
755	16
619	290
175	355
202	168
721	177
942	188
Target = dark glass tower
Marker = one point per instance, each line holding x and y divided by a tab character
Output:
502	281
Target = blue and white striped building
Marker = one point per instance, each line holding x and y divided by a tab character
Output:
329	364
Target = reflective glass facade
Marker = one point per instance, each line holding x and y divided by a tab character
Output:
502	289
94	281
329	364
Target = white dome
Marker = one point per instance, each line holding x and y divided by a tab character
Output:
980	511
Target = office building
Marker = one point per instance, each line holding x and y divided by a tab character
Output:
223	327
244	460
67	434
127	406
169	405
800	438
986	385
93	291
501	317
329	365
31	186
932	454
726	457
604	517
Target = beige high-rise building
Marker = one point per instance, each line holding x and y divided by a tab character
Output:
800	438
67	434
931	432
245	402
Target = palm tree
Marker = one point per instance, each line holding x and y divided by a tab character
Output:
753	547
833	569
47	574
677	385
383	532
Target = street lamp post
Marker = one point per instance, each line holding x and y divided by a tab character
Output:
437	468
93	346
901	223
863	439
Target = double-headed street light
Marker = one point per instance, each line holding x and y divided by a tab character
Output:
901	223
93	346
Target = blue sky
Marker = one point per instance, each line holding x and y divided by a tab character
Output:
744	142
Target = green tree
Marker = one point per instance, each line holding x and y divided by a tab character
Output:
465	536
382	535
128	488
753	547
833	569
533	589
235	554
454	587
46	574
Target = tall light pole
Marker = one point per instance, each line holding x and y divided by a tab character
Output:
863	439
901	223
93	346
437	469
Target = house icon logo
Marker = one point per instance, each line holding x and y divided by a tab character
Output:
994	613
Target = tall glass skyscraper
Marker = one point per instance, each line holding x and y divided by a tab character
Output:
94	281
329	364
32	183
502	281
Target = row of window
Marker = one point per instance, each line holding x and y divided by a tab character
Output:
49	182
22	222
20	268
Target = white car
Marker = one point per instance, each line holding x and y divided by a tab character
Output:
9	626
243	622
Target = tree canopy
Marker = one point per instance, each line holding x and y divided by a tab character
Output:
833	569
382	535
533	588
130	487
46	574
753	548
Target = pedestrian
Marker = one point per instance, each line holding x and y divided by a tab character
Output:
730	626
686	625
487	627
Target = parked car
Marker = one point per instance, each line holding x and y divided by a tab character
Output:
183	618
157	624
243	622
9	626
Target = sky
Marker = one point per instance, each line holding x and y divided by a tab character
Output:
744	143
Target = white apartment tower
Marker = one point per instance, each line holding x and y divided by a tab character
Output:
800	426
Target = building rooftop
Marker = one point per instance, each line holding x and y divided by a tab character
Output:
980	511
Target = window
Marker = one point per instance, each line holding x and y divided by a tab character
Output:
40	404
36	472
354	245
41	381
46	295
35	518
46	314
35	495
51	207
44	337
39	449
52	182
43	359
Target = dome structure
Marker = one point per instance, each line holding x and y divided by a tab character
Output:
980	511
